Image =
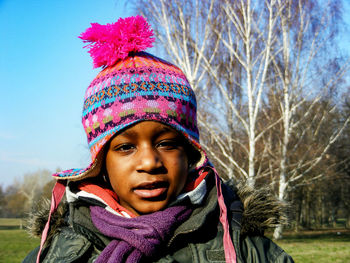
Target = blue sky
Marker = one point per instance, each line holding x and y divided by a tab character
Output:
44	72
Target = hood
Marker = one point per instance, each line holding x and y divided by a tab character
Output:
36	220
261	211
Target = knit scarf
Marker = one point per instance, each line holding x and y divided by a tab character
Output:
139	237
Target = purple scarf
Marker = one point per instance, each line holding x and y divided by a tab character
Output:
139	237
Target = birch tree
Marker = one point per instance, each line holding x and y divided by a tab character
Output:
31	185
224	50
308	73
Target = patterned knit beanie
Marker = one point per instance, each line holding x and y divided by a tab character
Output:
133	86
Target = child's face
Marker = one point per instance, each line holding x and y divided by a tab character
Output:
147	166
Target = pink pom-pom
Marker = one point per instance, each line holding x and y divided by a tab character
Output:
113	42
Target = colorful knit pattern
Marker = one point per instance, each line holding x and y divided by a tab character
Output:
141	87
133	86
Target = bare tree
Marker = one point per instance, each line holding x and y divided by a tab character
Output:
31	186
308	74
267	77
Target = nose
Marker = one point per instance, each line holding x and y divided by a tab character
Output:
149	160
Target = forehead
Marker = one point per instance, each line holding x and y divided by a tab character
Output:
148	128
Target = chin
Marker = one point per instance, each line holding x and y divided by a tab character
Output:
148	209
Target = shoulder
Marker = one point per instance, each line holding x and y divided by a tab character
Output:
66	246
37	219
264	249
253	211
64	243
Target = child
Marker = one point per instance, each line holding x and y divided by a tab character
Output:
150	194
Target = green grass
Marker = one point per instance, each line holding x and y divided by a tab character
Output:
320	247
15	245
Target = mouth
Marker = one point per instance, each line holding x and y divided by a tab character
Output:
151	190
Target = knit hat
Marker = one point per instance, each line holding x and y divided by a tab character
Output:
133	86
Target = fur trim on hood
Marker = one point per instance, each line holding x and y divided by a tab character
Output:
262	210
37	219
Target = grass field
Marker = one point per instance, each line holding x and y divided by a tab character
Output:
318	246
15	245
307	247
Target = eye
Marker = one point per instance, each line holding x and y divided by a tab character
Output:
169	144
126	147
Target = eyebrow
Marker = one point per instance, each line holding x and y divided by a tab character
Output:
158	132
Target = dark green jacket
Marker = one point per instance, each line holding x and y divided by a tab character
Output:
199	239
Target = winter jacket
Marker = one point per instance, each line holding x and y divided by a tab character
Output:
74	238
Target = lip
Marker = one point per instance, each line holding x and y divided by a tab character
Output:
154	189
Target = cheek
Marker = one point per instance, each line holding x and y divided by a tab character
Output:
184	163
118	182
114	169
182	166
178	163
180	170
